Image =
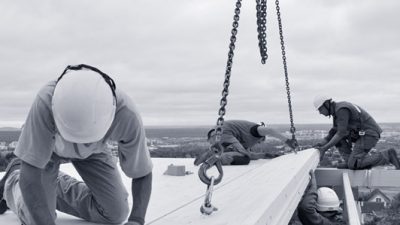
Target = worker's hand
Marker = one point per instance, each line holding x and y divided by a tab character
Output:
320	144
313	180
322	151
317	145
132	223
292	143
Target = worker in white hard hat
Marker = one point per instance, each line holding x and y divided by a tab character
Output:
71	120
354	133
319	206
238	137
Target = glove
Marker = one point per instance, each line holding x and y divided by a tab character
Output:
292	143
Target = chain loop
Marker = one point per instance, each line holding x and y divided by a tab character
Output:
278	13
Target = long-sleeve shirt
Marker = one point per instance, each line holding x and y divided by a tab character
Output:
307	210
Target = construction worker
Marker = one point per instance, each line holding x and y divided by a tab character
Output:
319	206
238	136
352	124
71	120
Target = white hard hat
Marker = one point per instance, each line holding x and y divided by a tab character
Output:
327	200
83	106
319	100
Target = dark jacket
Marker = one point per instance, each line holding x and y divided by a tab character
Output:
308	214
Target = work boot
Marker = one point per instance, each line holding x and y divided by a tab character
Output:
203	157
15	164
393	159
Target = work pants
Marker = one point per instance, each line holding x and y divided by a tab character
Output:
99	198
357	157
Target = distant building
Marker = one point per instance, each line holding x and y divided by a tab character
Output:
375	202
378	196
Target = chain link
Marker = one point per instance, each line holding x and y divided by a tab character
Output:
278	13
225	91
261	8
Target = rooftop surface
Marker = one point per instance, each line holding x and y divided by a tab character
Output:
243	196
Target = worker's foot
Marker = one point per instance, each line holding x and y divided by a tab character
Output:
203	157
15	164
393	159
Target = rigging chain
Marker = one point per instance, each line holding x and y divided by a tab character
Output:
217	148
292	128
261	8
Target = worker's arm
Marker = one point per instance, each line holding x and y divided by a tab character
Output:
141	191
307	209
34	195
343	117
267	131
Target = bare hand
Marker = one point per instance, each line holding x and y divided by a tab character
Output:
322	151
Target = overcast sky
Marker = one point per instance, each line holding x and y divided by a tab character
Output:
170	56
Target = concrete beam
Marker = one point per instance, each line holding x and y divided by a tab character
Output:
363	178
268	194
351	211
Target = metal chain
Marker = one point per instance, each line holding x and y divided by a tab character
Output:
292	128
225	91
261	8
217	148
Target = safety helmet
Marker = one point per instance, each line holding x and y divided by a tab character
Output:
327	200
319	100
83	104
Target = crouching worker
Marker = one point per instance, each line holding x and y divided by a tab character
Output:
71	120
238	136
354	133
319	206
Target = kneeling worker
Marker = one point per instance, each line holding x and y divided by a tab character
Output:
71	120
238	136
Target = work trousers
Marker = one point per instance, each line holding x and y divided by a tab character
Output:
100	198
357	157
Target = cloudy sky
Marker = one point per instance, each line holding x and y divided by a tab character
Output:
170	56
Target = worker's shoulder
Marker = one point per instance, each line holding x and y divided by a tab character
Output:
126	111
46	92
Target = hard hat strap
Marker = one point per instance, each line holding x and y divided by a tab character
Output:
106	78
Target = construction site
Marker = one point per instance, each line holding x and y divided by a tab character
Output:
271	69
